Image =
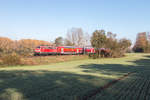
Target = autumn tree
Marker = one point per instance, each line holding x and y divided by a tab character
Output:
124	45
6	45
23	46
141	42
111	40
26	46
117	47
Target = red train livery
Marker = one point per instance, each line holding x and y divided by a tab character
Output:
49	50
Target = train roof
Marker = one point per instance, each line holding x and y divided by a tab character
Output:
70	46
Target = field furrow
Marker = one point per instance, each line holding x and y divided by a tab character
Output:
100	79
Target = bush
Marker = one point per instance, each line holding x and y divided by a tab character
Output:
11	59
93	55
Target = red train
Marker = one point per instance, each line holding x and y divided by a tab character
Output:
49	50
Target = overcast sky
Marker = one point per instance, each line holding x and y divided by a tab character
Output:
47	19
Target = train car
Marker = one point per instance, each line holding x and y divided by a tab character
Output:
89	50
45	50
70	50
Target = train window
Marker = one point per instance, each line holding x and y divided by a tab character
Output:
54	47
50	47
72	47
38	47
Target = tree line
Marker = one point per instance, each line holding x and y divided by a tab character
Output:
105	43
100	39
74	37
113	47
23	47
77	37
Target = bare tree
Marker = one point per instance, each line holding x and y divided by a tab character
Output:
87	38
68	42
76	37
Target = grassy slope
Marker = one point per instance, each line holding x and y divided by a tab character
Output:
44	60
66	80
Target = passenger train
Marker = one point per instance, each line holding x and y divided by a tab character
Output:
62	50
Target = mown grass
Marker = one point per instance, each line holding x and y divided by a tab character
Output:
71	80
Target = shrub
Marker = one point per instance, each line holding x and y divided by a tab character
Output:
11	59
94	56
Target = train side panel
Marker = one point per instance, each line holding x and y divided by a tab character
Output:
69	50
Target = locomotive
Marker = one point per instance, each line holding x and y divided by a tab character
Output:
62	50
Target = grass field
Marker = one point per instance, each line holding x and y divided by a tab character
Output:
79	80
45	60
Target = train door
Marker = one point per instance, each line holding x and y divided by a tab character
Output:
77	51
62	50
42	50
91	50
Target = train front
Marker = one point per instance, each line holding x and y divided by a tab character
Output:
45	50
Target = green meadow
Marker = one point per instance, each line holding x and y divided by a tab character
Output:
77	80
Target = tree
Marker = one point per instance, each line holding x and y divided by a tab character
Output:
117	47
75	37
68	42
111	35
111	41
59	41
124	45
141	42
6	45
110	46
21	47
26	47
87	38
98	39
